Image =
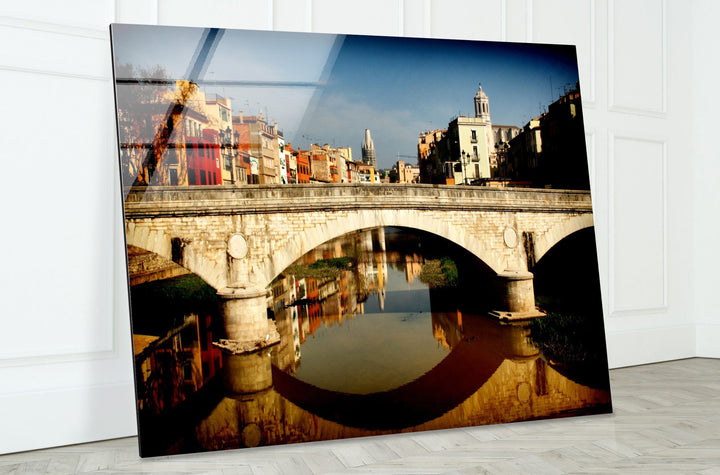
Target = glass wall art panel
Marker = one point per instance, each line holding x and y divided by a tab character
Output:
333	236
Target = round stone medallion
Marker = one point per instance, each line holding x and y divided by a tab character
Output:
237	246
510	237
251	435
523	392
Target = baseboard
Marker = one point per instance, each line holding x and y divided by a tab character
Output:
708	340
48	419
643	346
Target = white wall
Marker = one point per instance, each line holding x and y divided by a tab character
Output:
648	86
706	169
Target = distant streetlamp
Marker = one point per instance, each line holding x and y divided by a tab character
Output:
465	156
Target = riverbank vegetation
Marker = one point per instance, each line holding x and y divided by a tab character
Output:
320	269
439	273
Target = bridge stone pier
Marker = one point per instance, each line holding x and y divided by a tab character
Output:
239	239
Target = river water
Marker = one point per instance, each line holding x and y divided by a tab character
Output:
382	331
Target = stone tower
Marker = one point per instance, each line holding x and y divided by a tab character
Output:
482	105
368	150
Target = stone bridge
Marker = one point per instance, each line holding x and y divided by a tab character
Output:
239	239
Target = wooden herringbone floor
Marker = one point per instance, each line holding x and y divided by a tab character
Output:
666	420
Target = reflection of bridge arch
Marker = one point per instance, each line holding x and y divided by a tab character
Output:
472	361
433	394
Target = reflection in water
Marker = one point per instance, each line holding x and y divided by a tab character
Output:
375	338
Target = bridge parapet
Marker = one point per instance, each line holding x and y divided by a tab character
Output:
254	199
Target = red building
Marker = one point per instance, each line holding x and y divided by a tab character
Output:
203	159
303	167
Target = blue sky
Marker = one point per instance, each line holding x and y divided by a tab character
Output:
330	88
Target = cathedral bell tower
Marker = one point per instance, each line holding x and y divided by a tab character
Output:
482	105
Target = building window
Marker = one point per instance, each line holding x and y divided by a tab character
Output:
173	173
473	136
475	153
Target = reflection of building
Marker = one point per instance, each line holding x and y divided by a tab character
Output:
447	329
413	267
170	368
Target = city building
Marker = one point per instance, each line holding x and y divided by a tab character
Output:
219	113
248	164
292	164
353	175
502	135
428	161
343	155
550	150
407	173
303	166
282	169
203	160
263	145
367	174
460	154
173	142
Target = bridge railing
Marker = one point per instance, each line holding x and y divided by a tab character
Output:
219	200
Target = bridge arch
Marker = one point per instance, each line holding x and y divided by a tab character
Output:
307	240
173	248
546	241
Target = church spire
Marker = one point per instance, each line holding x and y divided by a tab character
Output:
482	105
368	150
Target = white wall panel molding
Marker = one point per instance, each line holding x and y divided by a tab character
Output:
254	15
637	260
590	138
515	15
551	21
292	15
468	20
637	57
56	52
136	11
59	28
48	72
66	416
369	17
83	14
708	336
416	18
529	8
650	345
503	20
